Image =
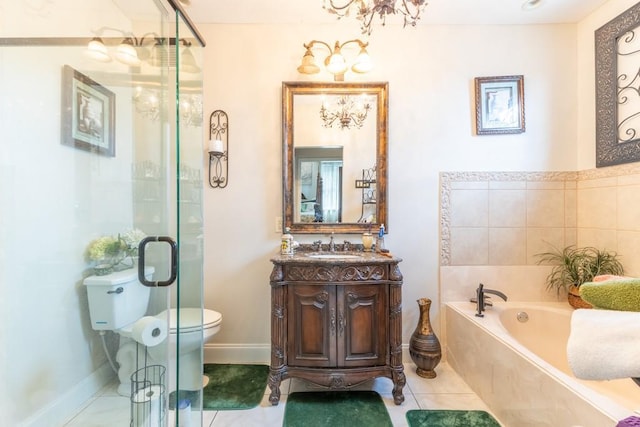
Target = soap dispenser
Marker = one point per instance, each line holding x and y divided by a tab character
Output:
286	243
380	240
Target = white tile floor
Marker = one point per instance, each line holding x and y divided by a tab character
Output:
446	391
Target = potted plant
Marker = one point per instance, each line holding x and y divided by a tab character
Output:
114	252
573	266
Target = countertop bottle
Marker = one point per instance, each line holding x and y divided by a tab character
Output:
286	243
380	240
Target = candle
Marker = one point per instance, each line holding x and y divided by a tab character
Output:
216	146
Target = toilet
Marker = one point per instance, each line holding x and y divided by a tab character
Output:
196	326
118	301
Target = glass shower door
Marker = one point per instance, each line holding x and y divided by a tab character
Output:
95	156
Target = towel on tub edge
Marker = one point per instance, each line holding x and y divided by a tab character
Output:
604	344
612	293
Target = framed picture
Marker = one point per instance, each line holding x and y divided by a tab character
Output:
617	97
499	105
88	114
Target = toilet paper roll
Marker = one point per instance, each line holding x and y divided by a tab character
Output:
149	331
147	409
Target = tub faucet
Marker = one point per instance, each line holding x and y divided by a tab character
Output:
480	298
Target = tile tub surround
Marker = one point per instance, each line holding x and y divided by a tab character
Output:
505	218
520	387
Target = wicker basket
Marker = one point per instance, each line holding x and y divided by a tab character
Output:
575	300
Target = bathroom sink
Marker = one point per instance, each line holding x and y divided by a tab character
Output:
333	256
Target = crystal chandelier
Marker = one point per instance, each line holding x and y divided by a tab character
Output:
346	114
367	9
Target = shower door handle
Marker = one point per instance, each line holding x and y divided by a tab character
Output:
174	261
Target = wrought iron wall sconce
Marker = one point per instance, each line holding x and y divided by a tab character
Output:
218	149
335	62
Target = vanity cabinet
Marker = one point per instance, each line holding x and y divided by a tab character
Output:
336	322
333	325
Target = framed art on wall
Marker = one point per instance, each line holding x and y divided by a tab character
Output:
88	114
499	105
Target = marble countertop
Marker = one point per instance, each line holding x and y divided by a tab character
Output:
337	257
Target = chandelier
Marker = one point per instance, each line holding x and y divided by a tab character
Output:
367	9
346	114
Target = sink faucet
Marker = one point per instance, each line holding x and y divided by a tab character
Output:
480	298
347	246
317	245
332	245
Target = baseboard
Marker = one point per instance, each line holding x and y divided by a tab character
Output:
237	353
68	404
254	353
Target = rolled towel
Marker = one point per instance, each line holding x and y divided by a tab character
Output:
604	344
605	277
614	294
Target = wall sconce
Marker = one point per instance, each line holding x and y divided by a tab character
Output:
218	149
133	51
335	62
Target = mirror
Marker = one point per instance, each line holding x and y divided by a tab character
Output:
334	156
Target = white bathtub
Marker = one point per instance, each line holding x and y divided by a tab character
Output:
521	371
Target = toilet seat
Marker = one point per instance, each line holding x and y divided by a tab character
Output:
191	319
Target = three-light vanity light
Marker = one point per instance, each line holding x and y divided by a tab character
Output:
335	62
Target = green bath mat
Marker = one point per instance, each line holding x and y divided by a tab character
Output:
230	387
450	418
336	408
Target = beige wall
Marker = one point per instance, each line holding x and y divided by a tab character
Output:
430	71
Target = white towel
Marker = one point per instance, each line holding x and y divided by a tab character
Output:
604	344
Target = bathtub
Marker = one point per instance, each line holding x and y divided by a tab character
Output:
520	369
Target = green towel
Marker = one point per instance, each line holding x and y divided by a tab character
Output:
621	294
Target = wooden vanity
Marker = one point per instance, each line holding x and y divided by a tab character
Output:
336	320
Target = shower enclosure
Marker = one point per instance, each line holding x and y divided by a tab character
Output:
101	138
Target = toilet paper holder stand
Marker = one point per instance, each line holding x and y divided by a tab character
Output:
148	395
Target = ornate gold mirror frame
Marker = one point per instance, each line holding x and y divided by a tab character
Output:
292	93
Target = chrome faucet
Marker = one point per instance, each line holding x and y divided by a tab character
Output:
317	245
346	246
332	245
480	298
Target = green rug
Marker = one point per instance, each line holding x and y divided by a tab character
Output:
336	409
230	387
450	418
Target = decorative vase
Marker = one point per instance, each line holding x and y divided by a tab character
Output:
103	269
424	346
367	241
574	298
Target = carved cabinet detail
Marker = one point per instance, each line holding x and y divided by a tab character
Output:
336	324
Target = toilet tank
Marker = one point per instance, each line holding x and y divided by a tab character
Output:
117	299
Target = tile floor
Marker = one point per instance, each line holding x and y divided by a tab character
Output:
446	391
